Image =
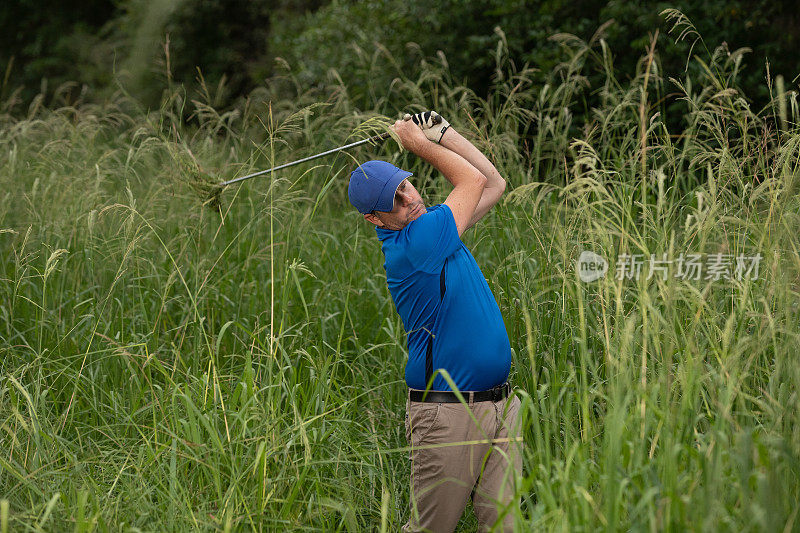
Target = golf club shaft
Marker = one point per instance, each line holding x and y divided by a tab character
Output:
375	138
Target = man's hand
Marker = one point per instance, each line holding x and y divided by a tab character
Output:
412	138
433	125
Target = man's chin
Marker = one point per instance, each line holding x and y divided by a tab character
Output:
416	214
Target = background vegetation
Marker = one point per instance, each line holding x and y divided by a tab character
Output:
165	367
240	40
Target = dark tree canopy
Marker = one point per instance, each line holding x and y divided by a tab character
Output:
88	41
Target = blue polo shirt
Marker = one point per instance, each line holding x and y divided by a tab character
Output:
469	336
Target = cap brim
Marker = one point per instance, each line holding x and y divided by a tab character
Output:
385	201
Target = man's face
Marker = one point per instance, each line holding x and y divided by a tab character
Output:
408	206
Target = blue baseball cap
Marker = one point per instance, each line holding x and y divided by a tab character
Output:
373	184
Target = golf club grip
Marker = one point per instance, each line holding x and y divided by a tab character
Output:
381	137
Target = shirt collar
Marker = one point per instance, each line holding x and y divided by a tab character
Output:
384	234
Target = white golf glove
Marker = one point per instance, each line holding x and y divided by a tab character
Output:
433	124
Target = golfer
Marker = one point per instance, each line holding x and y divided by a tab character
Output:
453	324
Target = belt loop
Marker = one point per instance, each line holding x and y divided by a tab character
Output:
471	398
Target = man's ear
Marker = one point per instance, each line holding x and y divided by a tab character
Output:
372	218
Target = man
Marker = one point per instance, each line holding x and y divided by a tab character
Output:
454	327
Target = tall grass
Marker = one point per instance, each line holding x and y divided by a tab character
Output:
165	367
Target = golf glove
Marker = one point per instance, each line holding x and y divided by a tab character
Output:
433	124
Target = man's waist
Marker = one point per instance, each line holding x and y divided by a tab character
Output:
494	394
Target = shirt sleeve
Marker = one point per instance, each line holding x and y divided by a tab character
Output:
432	238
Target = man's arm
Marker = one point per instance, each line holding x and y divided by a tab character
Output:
495	184
468	182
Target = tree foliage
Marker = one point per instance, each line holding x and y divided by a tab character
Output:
239	40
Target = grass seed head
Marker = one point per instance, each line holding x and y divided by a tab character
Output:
214	199
191	174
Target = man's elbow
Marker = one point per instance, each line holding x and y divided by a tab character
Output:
501	186
496	192
498	187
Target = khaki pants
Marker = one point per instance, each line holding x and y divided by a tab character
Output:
443	477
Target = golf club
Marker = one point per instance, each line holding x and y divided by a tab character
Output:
214	197
376	138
